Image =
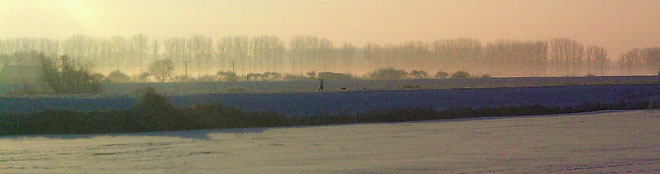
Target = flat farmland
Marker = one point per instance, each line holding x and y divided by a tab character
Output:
313	103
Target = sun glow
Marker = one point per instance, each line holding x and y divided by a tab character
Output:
79	10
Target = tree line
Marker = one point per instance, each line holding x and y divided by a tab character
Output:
200	55
639	61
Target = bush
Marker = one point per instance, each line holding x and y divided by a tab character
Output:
69	77
154	112
311	74
152	101
441	75
227	76
118	77
273	76
334	76
388	73
460	75
142	77
294	77
162	69
419	74
255	76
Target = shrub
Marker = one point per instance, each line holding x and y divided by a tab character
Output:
311	74
419	74
118	77
68	77
227	76
273	76
294	77
151	101
334	76
162	69
388	73
460	75
256	76
155	113
142	77
441	75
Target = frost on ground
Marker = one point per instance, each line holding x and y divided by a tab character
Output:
577	143
297	104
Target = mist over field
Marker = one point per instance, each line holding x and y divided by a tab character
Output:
207	39
201	56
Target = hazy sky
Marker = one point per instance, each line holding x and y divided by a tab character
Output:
616	24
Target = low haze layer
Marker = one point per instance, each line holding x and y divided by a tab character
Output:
616	25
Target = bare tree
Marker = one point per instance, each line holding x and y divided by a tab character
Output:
567	56
507	57
138	48
155	50
201	50
347	56
456	54
162	69
596	58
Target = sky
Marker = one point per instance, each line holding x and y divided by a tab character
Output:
618	25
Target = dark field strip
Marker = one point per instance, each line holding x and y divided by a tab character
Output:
352	102
158	115
359	85
188	88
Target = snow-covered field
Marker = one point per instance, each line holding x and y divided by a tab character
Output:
356	85
610	141
360	101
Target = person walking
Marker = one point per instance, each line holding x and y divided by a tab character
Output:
321	86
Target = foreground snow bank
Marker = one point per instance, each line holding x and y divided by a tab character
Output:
578	143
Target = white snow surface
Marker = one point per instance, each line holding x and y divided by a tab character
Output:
612	141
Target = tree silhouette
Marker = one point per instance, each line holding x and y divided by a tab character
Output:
162	69
68	77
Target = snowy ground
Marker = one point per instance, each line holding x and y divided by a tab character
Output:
295	104
188	88
578	143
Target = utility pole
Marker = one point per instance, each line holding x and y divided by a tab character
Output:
185	67
232	67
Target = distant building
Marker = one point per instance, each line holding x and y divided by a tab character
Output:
14	74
